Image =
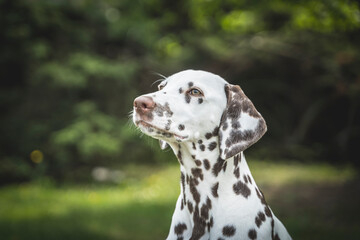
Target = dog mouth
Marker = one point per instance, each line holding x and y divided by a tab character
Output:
159	131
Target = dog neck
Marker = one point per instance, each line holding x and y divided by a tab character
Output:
203	172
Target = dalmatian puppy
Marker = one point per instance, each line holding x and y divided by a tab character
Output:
208	123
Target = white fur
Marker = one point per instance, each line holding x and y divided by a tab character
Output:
199	119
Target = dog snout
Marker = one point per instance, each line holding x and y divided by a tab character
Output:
144	104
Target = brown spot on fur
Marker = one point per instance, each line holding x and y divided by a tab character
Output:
182	178
261	216
168	124
237	158
272	228
180	228
214	190
193	190
181	127
252	234
248	107
208	135
217	166
179	157
212	146
228	231
224	126
180	90
197	173
198	163
267	211
190	206
210	223
235	125
238	136
208	202
224	166
161	109
241	188
259	219
204	211
202	147
193	146
233	151
206	164
249	179
216	131
187	98
147	116
196	182
200	100
237	172
167	134
245	179
199	225
260	196
257	222
191	84
228	143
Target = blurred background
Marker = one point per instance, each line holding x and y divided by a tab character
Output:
73	166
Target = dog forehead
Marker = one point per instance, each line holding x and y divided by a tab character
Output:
197	78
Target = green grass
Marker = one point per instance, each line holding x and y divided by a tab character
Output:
285	173
314	201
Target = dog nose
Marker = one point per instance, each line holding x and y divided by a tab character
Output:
144	104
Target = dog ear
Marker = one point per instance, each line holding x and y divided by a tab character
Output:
163	144
241	124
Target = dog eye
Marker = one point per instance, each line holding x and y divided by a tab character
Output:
195	92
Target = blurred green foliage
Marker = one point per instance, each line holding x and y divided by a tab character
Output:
71	69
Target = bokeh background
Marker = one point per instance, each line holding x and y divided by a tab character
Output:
72	165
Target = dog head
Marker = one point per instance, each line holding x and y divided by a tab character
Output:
191	105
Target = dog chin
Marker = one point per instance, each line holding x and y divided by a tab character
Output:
159	133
